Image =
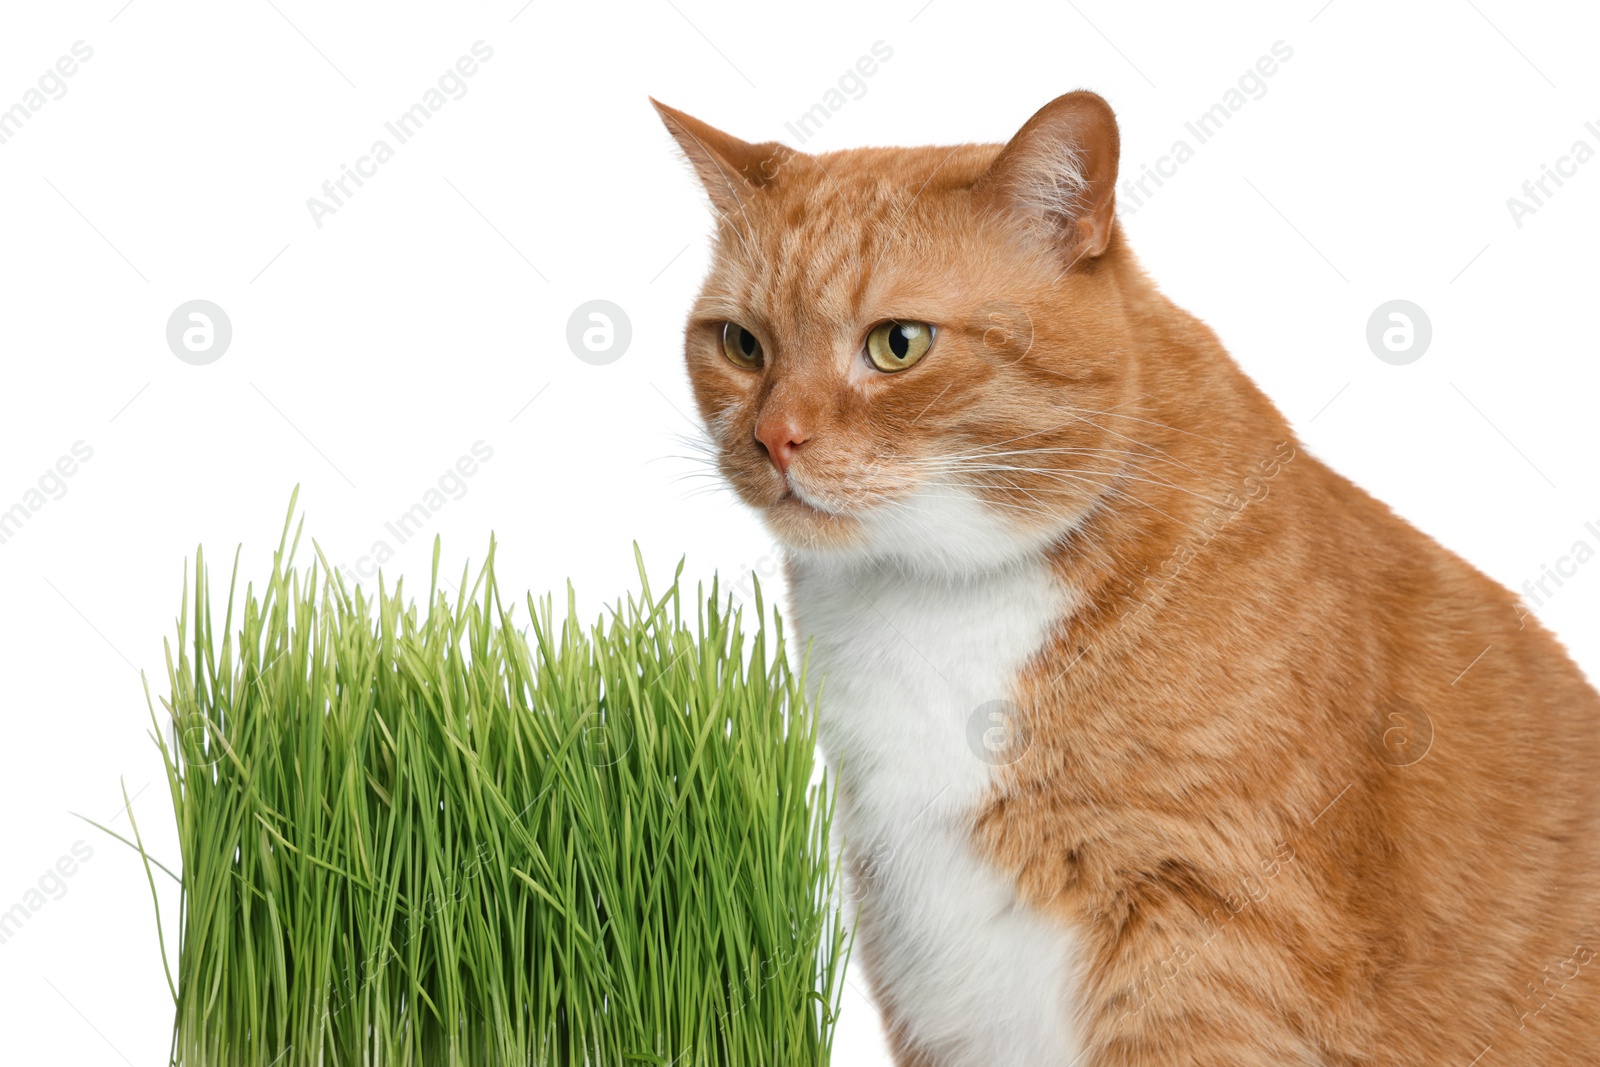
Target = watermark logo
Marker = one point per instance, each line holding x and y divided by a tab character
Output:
607	738
1538	591
1537	192
1001	331
997	733
851	82
452	484
1401	733
52	885
52	86
199	332
194	740
52	485
1553	981
451	85
1136	190
598	332
867	865
1399	332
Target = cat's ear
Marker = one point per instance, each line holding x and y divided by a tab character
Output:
730	169
1059	174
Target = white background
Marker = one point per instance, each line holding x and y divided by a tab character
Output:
425	315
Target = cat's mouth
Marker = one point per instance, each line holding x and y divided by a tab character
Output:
800	507
794	499
826	503
802	521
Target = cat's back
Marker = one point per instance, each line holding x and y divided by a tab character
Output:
1465	851
1486	736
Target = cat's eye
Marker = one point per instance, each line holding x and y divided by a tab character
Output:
894	345
741	346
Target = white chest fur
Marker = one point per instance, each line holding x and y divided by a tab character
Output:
906	662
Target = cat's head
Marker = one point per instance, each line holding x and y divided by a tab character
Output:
916	353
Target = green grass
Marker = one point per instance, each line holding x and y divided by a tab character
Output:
444	836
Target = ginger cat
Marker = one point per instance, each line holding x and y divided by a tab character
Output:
1160	743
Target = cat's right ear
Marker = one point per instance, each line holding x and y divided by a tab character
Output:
730	169
1058	175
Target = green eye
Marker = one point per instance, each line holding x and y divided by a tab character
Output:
895	346
741	346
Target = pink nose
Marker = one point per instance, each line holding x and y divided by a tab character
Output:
781	438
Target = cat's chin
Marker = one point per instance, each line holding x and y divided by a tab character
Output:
940	531
805	527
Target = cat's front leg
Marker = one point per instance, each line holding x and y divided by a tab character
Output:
1226	989
1206	1037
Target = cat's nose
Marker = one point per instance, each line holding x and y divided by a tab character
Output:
781	437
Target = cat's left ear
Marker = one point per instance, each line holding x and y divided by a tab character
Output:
1059	174
730	169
